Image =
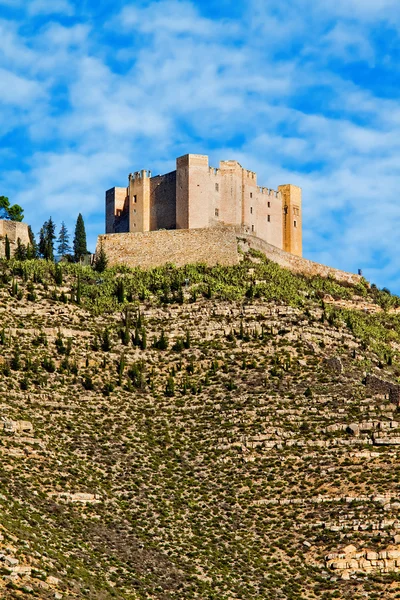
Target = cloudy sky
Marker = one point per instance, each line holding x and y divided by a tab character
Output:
300	91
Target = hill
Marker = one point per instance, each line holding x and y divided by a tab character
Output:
222	433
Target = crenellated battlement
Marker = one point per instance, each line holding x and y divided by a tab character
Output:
249	174
214	171
269	192
139	175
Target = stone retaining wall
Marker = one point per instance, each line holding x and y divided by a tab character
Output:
214	245
292	262
350	560
178	246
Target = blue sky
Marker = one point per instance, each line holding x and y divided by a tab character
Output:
301	92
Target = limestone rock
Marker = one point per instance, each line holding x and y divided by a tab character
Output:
10	426
334	364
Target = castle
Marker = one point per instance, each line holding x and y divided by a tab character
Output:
197	196
201	214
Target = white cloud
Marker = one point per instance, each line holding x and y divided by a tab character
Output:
168	17
261	89
18	91
365	9
50	7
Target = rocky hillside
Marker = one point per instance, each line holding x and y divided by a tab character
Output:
226	433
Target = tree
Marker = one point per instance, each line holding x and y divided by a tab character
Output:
7	248
101	260
78	290
170	387
80	246
20	251
32	250
16	213
11	213
63	241
46	239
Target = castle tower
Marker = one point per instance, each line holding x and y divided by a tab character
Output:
117	208
192	191
139	201
291	219
232	191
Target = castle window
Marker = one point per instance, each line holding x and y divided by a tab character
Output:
269	218
269	204
251	210
216	212
252	227
251	194
134	199
294	223
217	187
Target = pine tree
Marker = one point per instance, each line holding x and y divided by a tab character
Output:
12	213
80	246
51	236
63	241
47	236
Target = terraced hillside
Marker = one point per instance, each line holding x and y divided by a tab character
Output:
226	433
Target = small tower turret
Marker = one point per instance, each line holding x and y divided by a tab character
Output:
292	219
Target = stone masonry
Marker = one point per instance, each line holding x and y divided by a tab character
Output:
13	231
350	560
209	245
180	247
197	196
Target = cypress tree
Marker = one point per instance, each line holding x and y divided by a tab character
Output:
58	275
78	290
120	291
42	241
143	343
7	248
101	260
20	251
80	246
170	387
33	251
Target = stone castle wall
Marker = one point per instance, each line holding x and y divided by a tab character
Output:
13	231
294	263
117	209
209	245
162	202
180	247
